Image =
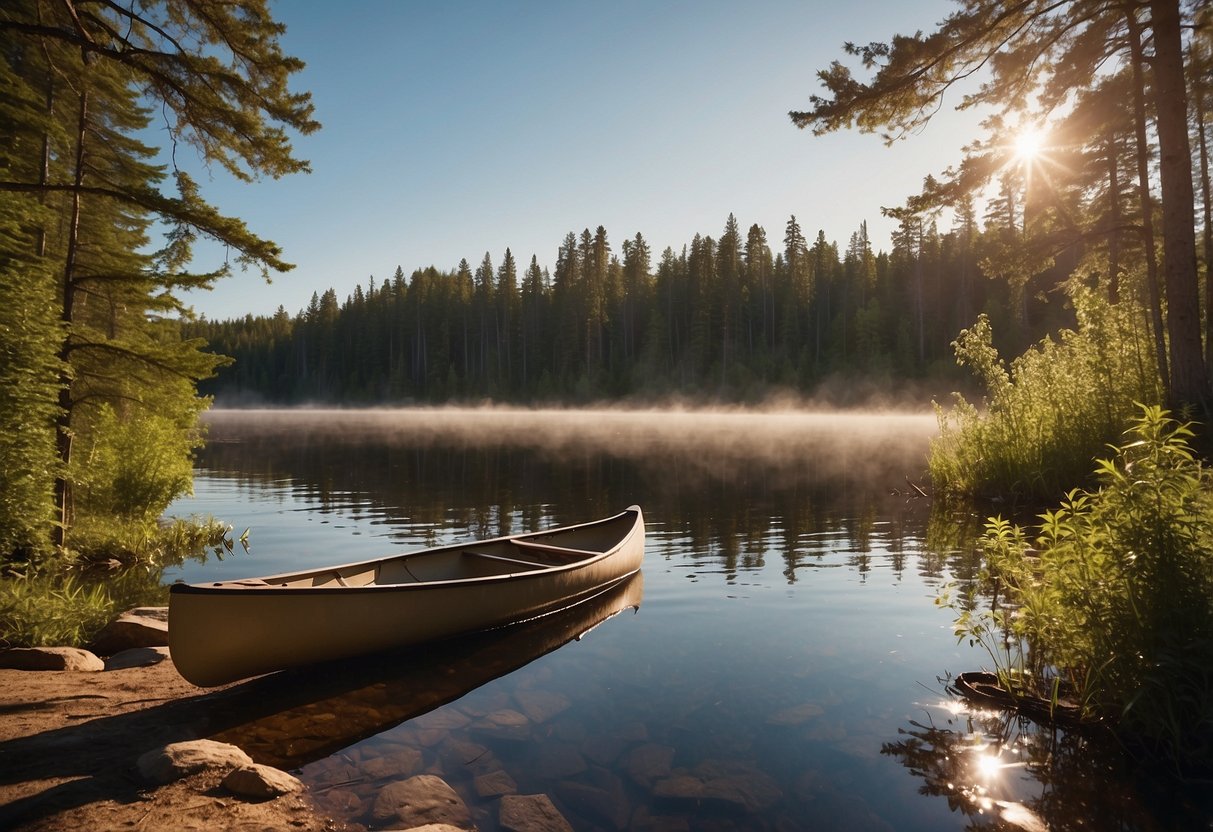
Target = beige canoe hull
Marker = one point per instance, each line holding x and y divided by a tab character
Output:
222	632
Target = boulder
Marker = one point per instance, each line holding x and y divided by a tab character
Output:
531	813
140	627
50	658
178	759
259	782
136	657
424	799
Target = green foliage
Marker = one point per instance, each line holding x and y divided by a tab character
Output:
133	467
29	372
1114	596
52	611
57	604
1056	407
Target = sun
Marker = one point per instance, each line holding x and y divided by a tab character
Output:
1029	143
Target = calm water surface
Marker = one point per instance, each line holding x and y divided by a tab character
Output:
776	666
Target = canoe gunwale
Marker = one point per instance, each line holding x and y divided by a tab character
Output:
266	585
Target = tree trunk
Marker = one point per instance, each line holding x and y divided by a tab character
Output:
1147	211
1189	384
1198	95
63	485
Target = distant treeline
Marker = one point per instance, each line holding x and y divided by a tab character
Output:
725	318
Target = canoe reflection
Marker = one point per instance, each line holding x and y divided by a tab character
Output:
292	718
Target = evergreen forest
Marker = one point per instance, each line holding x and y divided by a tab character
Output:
734	317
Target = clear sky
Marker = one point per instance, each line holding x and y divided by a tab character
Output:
456	128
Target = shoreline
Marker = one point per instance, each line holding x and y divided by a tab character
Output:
69	741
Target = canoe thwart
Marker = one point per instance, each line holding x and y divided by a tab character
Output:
527	563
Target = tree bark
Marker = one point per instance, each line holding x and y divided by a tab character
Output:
63	485
1147	210
1198	96
1189	383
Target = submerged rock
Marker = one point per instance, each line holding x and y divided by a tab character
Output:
178	759
796	715
531	813
648	763
260	782
494	784
541	705
737	786
420	800
50	658
605	802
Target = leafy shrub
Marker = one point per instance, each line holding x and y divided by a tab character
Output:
1056	408
1114	597
133	466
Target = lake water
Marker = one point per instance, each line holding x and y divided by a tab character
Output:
776	666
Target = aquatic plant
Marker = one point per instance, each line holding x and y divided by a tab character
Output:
1113	597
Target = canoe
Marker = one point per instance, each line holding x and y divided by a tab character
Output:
228	630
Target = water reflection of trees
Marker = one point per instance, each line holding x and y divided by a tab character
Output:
1005	772
734	499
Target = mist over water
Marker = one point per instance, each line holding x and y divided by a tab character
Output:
859	446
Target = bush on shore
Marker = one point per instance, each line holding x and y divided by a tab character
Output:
1113	596
1056	407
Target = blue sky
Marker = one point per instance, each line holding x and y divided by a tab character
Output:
456	128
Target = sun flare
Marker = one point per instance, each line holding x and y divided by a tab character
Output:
1029	143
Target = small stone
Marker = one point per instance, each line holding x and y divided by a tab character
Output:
50	658
127	631
178	759
136	657
421	800
494	784
260	782
531	813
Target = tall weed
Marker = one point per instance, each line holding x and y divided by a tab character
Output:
1047	415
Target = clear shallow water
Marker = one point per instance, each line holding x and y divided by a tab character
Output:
780	672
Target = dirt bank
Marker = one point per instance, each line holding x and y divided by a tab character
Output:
69	742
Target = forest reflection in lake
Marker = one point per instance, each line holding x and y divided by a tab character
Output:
780	674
